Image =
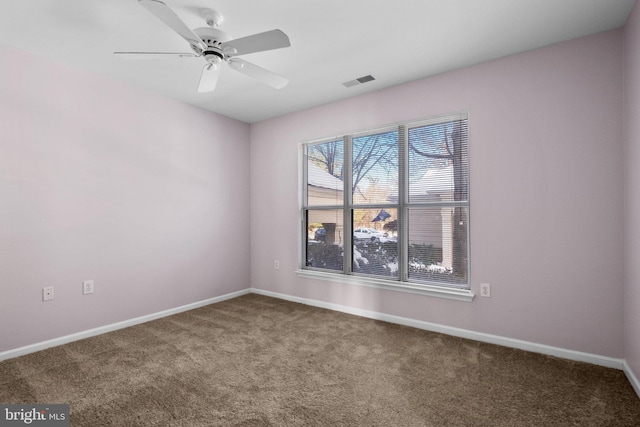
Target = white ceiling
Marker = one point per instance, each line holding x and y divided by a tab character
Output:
332	41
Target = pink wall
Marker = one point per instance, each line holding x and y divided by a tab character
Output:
546	201
632	192
99	180
147	197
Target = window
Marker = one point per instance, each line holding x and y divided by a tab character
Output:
390	205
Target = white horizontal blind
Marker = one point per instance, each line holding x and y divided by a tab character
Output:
438	201
375	175
324	166
439	161
324	200
374	167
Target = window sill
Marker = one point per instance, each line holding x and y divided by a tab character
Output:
413	288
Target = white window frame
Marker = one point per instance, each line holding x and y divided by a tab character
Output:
401	284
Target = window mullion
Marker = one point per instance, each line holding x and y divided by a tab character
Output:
347	168
403	179
302	254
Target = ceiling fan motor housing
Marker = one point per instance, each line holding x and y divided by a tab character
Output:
213	38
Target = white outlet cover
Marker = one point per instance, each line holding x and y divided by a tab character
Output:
87	287
485	290
47	293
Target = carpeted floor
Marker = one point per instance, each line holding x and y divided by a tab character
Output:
259	361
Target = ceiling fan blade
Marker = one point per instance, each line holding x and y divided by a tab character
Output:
209	78
169	17
274	39
265	76
154	55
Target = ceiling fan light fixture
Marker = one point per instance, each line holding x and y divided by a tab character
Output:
212	58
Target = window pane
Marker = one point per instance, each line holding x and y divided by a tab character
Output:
375	168
438	244
375	241
324	174
325	234
439	162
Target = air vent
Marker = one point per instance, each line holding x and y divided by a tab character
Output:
359	81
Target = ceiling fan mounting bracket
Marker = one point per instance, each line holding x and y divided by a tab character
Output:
213	18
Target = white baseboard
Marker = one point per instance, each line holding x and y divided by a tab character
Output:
595	359
32	348
631	377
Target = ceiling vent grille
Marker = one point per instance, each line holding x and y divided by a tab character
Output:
359	81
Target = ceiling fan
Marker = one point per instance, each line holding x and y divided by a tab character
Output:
216	46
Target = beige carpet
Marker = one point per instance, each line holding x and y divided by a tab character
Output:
259	361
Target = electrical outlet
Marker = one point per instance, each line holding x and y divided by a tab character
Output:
485	290
47	293
87	287
276	264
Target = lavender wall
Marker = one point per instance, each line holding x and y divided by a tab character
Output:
99	180
147	197
632	192
546	203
